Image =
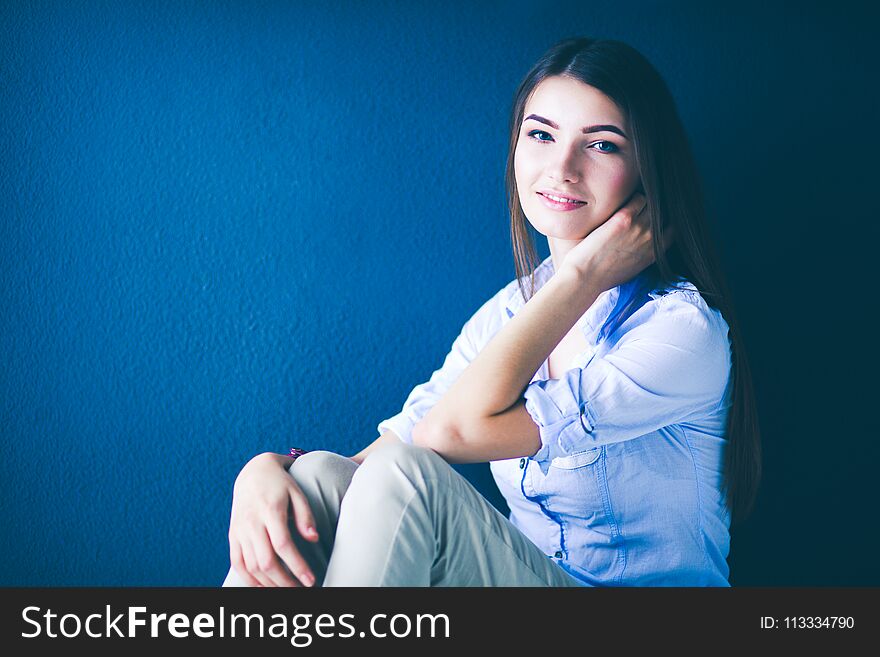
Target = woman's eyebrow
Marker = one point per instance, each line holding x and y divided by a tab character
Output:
587	130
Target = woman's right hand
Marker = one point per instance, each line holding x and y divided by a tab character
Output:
259	531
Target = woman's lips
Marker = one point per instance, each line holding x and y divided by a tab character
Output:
556	205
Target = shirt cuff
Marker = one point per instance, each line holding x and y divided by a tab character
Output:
564	425
400	424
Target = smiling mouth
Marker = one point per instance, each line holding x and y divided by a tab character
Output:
560	202
561	199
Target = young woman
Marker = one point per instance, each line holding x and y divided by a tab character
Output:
607	385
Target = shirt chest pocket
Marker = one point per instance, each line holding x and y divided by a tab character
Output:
575	461
575	485
575	491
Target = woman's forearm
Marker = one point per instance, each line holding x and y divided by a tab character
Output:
495	380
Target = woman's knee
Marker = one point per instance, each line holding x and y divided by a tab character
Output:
322	465
400	457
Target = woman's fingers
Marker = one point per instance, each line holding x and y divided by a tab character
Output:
250	561
284	546
634	205
237	560
302	514
637	210
269	564
262	546
668	235
641	218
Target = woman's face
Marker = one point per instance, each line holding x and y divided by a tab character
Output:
570	145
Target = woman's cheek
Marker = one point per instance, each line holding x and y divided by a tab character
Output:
619	179
620	185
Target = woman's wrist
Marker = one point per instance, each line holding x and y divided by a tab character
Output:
260	466
580	275
273	459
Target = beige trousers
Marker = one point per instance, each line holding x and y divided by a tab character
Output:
405	517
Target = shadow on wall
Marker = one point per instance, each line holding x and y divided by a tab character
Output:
481	477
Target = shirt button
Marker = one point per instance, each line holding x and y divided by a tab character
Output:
585	422
558	554
522	463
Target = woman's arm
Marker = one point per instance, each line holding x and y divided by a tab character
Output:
482	413
493	384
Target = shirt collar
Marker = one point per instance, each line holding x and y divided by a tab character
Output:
594	317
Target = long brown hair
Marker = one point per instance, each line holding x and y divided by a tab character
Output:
670	183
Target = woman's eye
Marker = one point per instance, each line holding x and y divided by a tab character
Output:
601	146
538	132
612	147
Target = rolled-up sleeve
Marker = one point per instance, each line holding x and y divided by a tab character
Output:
672	366
474	334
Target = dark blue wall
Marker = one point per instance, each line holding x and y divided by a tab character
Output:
232	227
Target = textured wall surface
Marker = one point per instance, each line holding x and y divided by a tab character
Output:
233	227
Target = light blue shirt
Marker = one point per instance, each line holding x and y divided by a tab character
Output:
626	487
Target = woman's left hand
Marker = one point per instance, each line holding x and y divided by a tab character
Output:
618	249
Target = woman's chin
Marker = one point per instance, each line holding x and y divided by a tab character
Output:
561	235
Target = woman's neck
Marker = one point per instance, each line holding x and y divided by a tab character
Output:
559	248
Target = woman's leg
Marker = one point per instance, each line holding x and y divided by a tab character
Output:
323	477
409	519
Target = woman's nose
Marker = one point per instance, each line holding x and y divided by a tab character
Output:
564	168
